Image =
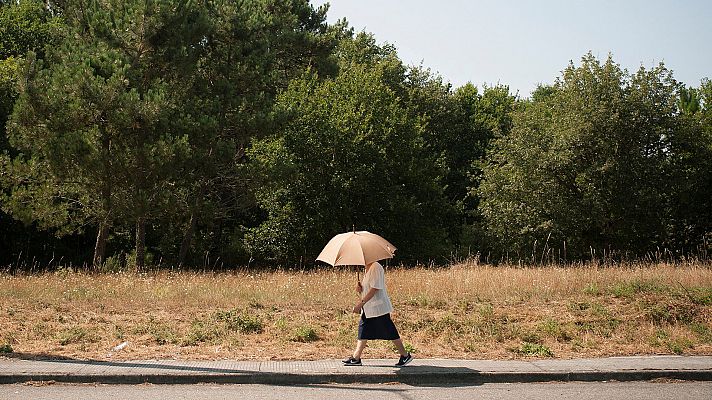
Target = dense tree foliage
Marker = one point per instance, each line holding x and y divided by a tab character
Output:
145	117
689	227
592	165
253	50
25	26
220	132
349	155
100	129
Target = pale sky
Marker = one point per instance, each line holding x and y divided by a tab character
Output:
526	42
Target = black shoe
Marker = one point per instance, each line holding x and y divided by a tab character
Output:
404	360
352	361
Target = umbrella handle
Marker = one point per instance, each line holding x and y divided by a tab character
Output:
358	280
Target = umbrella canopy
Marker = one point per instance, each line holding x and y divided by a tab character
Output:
356	248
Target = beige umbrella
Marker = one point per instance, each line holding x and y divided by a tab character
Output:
356	248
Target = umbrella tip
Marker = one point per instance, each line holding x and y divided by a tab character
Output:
353	228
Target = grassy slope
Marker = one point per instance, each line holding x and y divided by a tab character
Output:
464	311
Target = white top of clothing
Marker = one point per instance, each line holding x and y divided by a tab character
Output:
379	304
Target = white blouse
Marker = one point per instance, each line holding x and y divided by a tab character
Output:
379	304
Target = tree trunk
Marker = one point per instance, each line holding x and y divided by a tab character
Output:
100	246
140	244
187	238
106	187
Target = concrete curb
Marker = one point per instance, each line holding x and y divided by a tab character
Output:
418	379
427	372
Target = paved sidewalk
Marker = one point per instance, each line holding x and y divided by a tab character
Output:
419	372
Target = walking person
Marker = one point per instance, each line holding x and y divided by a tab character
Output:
375	308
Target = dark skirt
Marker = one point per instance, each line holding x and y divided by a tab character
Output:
377	328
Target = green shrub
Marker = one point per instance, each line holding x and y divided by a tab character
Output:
592	289
200	332
701	296
603	327
281	323
679	345
634	287
305	334
670	312
5	348
446	323
486	311
410	348
73	335
534	349
238	321
579	306
530	337
703	331
162	334
114	264
118	332
554	329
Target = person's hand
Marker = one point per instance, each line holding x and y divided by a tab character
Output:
358	307
359	288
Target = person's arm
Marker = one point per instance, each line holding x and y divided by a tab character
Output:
369	295
366	298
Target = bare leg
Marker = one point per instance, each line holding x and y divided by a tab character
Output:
400	347
360	345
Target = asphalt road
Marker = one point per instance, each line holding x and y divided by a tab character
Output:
578	391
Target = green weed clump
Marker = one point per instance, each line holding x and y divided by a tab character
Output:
701	296
161	333
447	323
531	337
238	321
679	345
74	335
669	312
200	332
676	345
164	335
702	331
534	349
305	334
627	289
424	301
5	348
554	329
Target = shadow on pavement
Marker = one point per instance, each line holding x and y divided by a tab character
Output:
434	376
419	375
414	375
44	357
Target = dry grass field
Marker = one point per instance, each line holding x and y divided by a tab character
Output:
463	311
